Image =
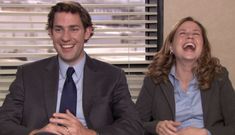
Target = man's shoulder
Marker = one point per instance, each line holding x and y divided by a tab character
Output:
104	66
40	63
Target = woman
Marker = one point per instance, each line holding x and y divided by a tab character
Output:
186	91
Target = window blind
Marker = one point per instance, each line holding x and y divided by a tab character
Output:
121	37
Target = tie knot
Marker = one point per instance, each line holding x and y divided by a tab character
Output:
70	72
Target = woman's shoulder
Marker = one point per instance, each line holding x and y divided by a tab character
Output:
222	74
150	82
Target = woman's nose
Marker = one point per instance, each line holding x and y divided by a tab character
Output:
189	35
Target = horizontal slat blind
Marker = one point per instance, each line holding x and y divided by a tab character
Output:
120	37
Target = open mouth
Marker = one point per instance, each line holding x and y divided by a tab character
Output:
66	46
189	46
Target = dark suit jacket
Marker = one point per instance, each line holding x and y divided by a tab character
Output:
107	104
156	103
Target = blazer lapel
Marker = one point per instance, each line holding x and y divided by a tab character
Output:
50	79
205	96
168	91
89	87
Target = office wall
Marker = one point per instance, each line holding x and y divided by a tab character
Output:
218	16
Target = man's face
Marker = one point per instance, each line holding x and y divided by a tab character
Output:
68	35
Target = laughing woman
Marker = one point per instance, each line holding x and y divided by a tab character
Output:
186	91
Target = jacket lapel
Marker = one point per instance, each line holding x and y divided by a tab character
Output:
50	79
168	91
89	87
205	96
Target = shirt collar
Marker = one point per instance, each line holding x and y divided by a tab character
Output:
172	72
78	67
173	78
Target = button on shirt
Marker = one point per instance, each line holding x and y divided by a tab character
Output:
78	79
188	104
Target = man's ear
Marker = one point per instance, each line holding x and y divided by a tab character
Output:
88	32
49	31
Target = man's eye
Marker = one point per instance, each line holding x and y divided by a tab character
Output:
57	30
75	29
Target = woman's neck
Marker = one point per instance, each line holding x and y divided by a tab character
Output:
184	74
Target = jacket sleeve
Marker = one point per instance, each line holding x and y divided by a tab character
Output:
227	105
12	108
126	118
144	106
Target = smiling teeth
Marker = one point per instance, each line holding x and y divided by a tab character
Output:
189	45
67	46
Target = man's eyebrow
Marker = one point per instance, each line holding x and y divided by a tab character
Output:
58	26
72	26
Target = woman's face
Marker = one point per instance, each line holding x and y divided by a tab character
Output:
187	44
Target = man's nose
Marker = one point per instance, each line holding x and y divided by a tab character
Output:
66	36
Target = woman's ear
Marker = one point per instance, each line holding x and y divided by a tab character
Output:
171	50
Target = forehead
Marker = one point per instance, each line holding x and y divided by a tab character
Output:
64	18
189	25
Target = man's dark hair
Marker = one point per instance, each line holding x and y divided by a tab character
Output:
69	7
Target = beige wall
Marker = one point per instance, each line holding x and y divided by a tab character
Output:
218	16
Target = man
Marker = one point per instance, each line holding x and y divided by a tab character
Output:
38	103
